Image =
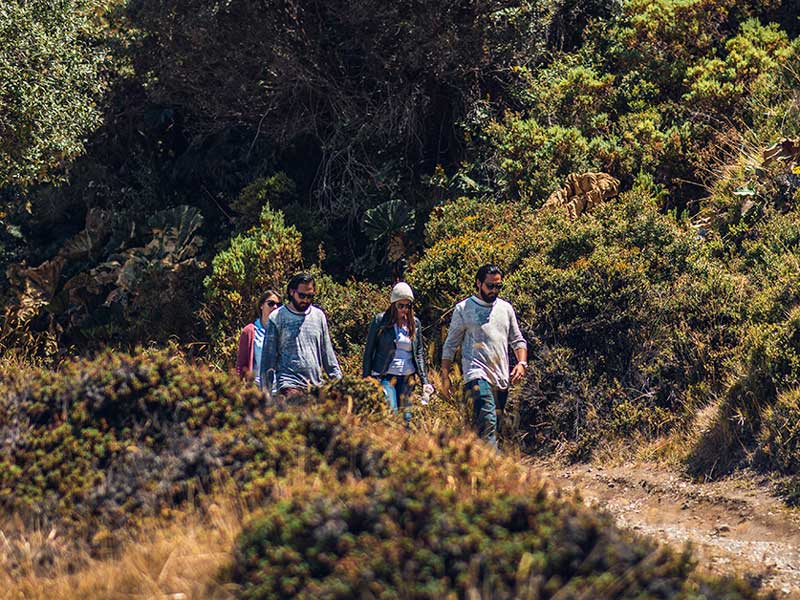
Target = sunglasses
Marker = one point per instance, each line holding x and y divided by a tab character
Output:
303	296
273	303
494	286
404	306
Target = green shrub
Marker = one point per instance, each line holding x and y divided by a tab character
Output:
631	324
532	160
275	191
719	85
350	306
770	367
262	258
451	519
446	274
56	64
102	444
466	215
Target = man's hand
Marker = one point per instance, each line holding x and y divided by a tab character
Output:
445	389
518	372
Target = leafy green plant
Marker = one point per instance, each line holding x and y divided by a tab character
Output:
55	65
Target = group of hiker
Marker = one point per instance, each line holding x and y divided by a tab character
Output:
288	349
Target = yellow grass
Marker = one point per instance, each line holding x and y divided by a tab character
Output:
177	561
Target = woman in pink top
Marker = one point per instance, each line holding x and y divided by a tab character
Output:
252	338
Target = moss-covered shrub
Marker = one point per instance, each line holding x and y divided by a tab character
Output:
103	443
449	518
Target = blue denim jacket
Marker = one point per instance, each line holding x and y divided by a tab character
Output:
381	345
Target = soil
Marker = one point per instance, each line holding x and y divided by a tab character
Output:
735	526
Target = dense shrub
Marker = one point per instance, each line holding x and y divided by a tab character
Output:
463	235
631	324
450	518
55	66
104	443
779	440
350	306
532	160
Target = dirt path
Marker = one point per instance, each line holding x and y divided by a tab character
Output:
735	526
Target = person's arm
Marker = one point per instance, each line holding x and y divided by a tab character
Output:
422	371
520	347
245	352
455	335
269	355
329	361
369	349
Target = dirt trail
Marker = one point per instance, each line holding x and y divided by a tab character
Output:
735	526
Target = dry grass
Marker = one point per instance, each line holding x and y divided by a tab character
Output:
178	561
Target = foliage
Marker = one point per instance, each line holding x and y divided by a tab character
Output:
630	321
533	159
370	92
262	258
448	518
55	67
463	235
103	444
109	282
779	439
274	191
720	85
350	306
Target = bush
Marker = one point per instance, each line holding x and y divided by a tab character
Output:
103	444
719	85
779	439
532	160
350	307
630	323
55	66
446	274
449	518
262	258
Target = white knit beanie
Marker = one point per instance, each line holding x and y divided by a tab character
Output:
401	291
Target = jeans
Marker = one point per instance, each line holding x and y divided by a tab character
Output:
398	390
485	402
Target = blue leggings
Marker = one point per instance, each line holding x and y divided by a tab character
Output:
398	390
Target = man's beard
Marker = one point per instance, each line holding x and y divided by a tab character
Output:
486	298
296	307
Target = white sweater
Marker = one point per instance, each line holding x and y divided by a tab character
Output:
484	331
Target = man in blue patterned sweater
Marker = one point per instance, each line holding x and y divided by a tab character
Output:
297	344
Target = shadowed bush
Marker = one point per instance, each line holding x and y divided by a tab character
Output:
450	518
104	443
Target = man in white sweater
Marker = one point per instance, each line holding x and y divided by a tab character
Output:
484	326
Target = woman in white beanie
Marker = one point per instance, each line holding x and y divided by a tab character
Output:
395	353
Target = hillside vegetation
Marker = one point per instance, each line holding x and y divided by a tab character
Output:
632	165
